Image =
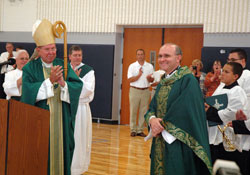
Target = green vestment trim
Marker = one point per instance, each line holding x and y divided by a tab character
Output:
33	77
85	69
179	102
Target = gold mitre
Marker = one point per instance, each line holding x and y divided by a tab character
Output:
42	33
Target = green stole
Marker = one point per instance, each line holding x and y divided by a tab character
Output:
84	70
56	129
178	101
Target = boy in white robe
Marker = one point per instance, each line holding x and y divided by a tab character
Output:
83	123
13	79
237	99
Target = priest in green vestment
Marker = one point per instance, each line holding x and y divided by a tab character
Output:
177	120
44	86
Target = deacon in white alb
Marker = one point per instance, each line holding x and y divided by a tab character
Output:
83	122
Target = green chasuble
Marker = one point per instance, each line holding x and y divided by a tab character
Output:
178	101
62	114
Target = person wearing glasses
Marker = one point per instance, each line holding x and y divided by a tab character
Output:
241	126
13	79
240	56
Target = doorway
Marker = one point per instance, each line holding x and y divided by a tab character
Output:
150	39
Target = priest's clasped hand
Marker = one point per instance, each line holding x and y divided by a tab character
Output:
56	75
156	126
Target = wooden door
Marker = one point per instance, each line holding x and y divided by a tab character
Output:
136	38
189	39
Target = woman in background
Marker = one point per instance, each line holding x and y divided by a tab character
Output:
196	68
212	80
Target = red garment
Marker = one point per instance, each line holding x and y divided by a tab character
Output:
211	85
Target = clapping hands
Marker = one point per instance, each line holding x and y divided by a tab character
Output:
56	75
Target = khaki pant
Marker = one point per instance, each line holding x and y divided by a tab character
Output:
138	99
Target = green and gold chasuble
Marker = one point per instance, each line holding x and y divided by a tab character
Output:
178	101
62	114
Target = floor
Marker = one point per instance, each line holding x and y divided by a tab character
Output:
114	152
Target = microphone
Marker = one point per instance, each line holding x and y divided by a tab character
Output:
10	61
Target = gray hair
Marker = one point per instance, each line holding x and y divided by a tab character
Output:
22	51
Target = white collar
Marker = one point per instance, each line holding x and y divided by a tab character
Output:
47	65
170	75
77	67
140	64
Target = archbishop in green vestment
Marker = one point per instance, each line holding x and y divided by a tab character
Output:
44	86
178	108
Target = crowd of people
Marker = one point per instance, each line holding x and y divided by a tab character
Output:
181	122
40	82
186	132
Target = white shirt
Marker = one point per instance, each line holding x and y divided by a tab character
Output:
133	70
237	99
10	83
3	58
244	82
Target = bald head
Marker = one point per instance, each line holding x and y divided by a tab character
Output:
169	57
176	47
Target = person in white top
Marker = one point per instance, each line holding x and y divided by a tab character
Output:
13	79
237	99
243	126
5	56
10	53
240	56
139	93
83	122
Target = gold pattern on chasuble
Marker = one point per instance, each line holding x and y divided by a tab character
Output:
56	129
190	141
165	88
161	100
159	142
